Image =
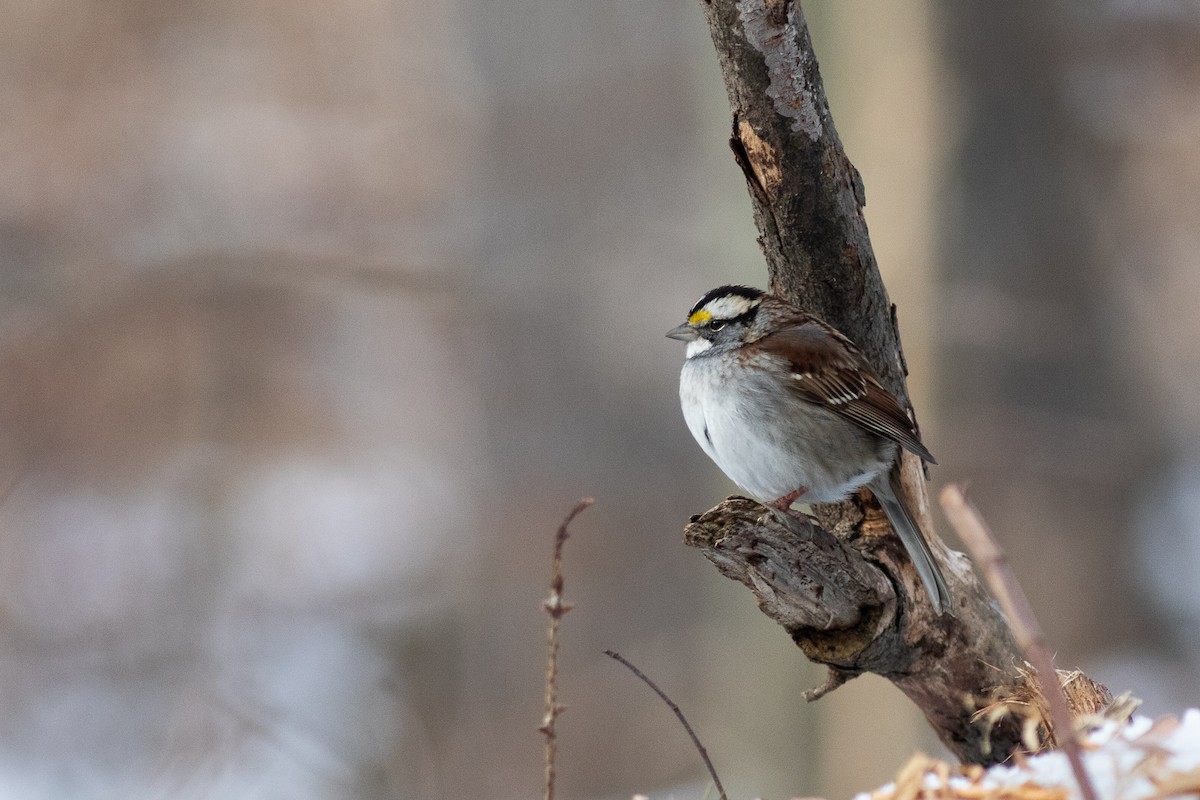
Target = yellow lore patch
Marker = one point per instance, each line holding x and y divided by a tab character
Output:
700	317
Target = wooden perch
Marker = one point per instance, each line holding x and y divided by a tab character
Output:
856	605
844	589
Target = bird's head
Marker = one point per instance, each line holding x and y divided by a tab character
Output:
720	319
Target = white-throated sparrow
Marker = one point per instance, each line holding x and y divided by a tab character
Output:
790	409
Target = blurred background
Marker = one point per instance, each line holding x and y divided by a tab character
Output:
316	319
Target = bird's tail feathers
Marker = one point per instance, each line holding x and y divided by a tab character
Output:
889	493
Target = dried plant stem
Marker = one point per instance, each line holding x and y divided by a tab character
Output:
557	609
998	574
682	719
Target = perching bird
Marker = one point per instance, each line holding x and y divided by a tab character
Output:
790	410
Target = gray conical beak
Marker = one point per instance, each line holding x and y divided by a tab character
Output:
684	333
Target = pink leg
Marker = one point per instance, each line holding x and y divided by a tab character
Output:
785	502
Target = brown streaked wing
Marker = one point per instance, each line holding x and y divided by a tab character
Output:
827	369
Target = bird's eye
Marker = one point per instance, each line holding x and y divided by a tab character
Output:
716	325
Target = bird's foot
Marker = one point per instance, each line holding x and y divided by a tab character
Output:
785	503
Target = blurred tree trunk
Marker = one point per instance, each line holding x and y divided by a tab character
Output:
1038	403
1070	256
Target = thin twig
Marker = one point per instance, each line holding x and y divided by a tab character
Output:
993	563
682	719
556	608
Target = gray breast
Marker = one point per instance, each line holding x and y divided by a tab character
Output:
769	441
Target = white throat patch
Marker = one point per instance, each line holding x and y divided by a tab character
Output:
696	347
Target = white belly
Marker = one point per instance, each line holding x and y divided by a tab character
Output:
750	429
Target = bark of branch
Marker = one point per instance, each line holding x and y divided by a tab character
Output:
854	604
845	591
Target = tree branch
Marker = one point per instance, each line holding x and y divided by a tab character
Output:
806	194
844	590
848	604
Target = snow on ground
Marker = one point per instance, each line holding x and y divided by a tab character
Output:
1143	759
